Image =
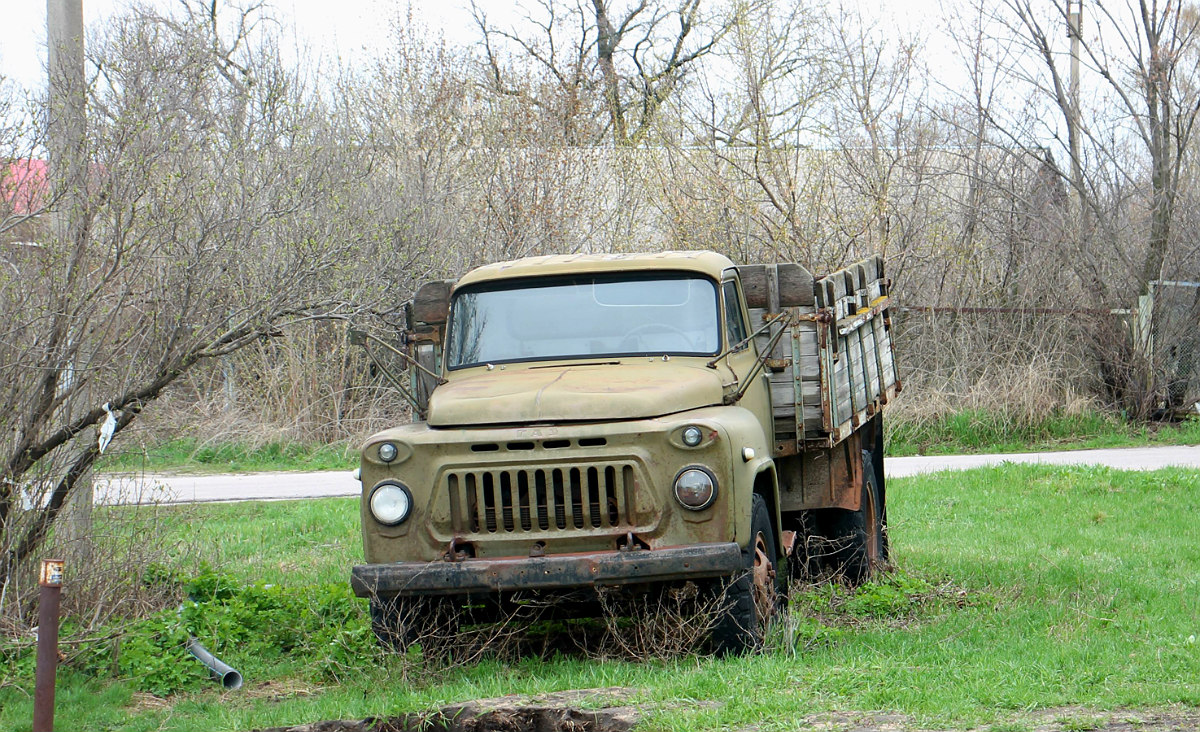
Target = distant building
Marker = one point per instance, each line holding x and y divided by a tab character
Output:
24	193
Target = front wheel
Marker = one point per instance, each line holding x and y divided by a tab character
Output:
401	622
752	598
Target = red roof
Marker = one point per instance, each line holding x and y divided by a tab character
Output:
23	185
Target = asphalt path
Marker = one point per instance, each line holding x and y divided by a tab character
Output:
294	486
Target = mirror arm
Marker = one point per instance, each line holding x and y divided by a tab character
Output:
395	381
745	341
364	336
761	362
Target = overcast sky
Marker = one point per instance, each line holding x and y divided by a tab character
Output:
350	29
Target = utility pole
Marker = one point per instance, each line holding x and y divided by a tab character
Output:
1074	25
66	143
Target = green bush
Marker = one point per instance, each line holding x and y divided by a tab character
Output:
241	624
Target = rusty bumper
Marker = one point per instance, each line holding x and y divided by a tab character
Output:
552	572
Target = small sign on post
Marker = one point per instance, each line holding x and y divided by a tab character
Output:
52	573
50	578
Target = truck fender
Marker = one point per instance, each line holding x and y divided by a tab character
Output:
766	484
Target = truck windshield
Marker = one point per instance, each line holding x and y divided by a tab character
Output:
583	317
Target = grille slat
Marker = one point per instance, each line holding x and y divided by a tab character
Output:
540	498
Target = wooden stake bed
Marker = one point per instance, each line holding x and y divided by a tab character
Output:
835	368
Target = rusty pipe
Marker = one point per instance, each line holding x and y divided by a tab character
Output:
50	581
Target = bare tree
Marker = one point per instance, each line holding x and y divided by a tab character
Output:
1143	57
590	57
195	239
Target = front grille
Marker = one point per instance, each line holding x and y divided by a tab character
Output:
539	499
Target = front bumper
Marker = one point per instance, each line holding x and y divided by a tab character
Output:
553	572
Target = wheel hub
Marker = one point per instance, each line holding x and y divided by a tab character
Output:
764	580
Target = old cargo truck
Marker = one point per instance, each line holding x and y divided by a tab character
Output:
624	423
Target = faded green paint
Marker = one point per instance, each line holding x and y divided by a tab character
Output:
617	389
652	448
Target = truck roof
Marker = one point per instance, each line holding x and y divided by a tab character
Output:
704	262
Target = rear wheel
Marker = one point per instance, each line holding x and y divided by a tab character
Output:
859	538
752	598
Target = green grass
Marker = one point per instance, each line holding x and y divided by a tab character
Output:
988	432
1019	588
188	455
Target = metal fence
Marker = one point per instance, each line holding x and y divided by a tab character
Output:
1166	328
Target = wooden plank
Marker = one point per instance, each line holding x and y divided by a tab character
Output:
431	303
812	396
871	370
795	285
862	387
754	284
786	401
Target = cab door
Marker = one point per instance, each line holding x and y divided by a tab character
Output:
742	360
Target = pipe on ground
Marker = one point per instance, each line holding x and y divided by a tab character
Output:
230	678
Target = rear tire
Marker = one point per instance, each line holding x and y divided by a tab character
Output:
860	537
751	599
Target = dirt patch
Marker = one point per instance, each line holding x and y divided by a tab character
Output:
1063	719
607	710
279	690
583	710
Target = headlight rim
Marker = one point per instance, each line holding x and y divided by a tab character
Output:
712	477
390	484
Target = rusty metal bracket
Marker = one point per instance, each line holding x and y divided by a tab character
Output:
456	554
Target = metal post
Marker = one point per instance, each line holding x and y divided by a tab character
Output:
47	650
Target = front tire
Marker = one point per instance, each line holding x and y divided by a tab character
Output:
401	622
752	598
393	622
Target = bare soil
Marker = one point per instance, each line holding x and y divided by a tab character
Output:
609	710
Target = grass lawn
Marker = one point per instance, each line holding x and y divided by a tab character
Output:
188	455
986	432
1018	588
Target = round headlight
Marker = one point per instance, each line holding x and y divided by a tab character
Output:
387	452
390	503
695	489
692	436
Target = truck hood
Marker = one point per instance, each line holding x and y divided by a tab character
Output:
574	393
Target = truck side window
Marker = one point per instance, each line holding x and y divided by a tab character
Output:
735	322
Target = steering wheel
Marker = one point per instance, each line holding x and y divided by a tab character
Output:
685	341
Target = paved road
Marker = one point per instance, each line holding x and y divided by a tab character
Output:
1125	458
285	486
